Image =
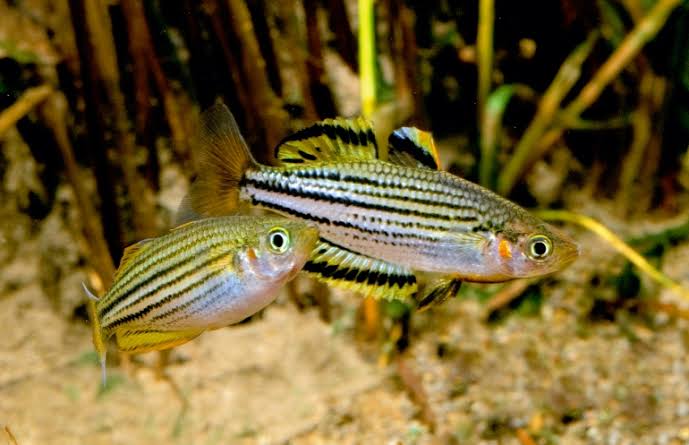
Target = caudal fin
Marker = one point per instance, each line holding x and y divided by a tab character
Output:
223	157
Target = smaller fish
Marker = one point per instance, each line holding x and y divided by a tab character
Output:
202	275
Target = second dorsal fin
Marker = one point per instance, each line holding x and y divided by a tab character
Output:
413	147
331	140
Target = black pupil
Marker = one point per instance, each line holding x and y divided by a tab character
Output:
278	240
539	248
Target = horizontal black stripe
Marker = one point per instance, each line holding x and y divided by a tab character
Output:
146	310
286	189
193	301
336	223
160	274
207	303
319	173
381	180
117	289
172	239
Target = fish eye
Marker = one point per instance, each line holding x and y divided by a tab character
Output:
539	247
278	239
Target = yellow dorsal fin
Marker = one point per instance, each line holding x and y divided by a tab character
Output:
341	267
146	340
331	140
128	256
413	147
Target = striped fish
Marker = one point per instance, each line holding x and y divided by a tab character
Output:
202	275
379	221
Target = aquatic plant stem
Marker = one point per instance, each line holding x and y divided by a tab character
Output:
564	80
53	113
484	48
23	105
367	79
103	71
144	58
491	128
544	137
342	30
318	88
367	57
616	242
265	103
10	436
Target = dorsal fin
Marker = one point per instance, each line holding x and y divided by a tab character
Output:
128	256
341	267
331	140
413	147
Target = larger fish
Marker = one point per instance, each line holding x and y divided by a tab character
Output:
379	220
202	275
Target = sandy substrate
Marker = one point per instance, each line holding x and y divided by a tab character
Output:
556	377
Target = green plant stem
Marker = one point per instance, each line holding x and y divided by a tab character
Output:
491	127
618	244
564	80
540	142
367	57
484	47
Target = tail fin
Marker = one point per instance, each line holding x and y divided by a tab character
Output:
98	340
223	157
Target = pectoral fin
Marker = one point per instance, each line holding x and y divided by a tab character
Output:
438	293
146	340
341	267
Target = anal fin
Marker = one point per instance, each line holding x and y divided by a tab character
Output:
146	340
343	268
438	293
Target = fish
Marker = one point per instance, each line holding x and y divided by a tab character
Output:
380	221
202	275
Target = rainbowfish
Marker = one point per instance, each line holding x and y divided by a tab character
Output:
379	221
202	275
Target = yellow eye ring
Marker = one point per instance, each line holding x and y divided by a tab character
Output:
539	247
278	240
